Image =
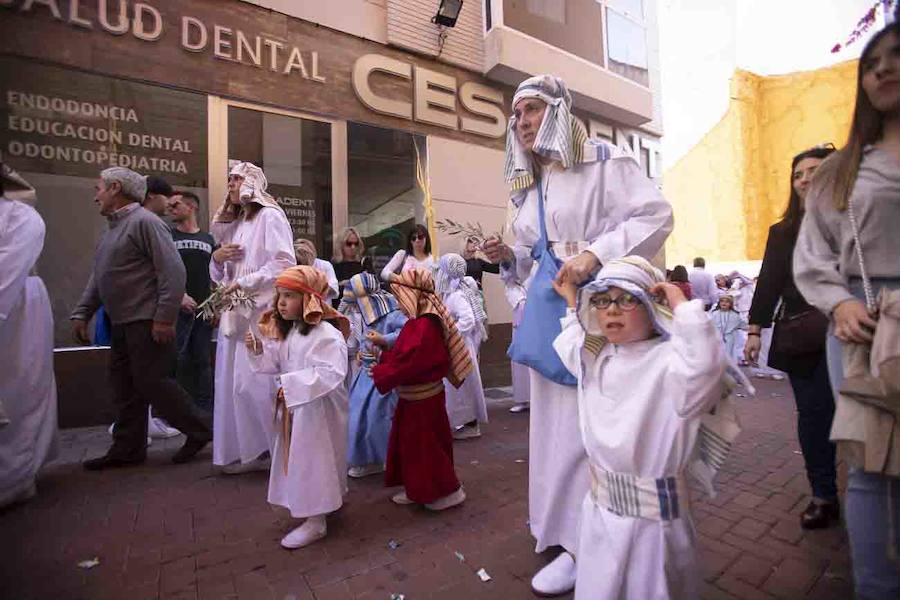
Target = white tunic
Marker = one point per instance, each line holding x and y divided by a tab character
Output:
28	387
402	262
243	411
466	403
613	210
640	406
312	369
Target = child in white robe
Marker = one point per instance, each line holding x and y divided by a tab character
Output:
466	406
645	382
730	325
308	475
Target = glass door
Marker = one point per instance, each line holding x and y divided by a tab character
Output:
294	152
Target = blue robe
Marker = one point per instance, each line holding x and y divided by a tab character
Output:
371	412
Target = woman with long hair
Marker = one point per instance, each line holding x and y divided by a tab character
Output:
679	277
808	372
416	256
853	213
349	257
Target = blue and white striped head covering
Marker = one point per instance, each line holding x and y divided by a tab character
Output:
372	302
451	276
635	275
561	136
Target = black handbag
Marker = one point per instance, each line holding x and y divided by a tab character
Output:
800	334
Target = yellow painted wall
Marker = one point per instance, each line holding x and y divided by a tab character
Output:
730	187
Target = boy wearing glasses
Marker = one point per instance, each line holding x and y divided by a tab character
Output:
649	365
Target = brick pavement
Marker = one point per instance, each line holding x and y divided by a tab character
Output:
184	532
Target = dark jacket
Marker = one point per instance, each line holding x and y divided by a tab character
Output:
776	280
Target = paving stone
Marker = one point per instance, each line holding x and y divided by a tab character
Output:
166	532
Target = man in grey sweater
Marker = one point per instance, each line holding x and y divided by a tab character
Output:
139	278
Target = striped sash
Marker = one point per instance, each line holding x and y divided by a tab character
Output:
630	496
420	391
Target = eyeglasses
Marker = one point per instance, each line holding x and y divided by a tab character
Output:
625	302
351	244
418	236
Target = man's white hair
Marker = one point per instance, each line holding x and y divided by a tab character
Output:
134	185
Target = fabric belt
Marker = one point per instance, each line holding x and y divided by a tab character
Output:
420	391
567	250
630	496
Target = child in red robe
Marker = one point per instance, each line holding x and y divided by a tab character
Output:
429	348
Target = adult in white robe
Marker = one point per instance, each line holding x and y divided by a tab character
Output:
252	253
640	405
28	431
599	205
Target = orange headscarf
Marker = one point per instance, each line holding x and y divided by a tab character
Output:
314	284
414	290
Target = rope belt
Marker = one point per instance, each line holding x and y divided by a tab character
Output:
629	496
420	391
287	424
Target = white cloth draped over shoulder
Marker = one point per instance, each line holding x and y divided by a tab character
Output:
28	388
466	403
244	409
401	261
312	369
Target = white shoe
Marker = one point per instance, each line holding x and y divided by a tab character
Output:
401	498
449	501
257	464
158	428
467	432
366	470
557	578
519	407
314	528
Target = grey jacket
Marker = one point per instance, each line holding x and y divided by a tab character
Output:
138	274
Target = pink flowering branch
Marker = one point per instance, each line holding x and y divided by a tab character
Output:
866	22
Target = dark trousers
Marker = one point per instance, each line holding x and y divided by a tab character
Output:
141	372
815	412
194	369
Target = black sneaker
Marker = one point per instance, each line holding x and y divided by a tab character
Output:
189	450
110	462
819	515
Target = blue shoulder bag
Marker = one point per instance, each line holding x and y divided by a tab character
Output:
532	341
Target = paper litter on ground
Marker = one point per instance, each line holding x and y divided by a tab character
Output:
89	564
483	575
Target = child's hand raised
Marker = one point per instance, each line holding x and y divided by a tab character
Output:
376	338
568	290
671	292
252	344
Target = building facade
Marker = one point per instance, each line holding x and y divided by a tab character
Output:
361	112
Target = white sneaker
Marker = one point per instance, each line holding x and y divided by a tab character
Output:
257	464
366	470
401	498
557	578
467	432
314	528
158	428
519	407
449	501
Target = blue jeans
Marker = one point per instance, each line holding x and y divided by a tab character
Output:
193	342
872	506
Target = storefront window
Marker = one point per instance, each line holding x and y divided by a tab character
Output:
59	128
295	155
385	201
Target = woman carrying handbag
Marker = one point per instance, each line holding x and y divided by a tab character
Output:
848	252
798	345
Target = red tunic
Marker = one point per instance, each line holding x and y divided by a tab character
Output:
420	449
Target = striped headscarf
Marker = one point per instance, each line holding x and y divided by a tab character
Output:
314	285
414	290
635	275
561	136
372	302
450	277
